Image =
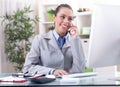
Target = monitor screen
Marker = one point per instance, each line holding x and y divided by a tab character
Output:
104	44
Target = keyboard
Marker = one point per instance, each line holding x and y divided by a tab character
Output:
79	75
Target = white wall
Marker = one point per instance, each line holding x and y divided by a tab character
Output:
0	37
114	2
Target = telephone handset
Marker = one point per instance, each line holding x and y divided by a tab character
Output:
71	31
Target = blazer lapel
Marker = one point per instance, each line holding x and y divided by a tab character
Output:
49	36
51	39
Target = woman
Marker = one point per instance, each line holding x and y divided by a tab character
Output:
57	52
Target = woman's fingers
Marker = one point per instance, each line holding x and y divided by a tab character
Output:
60	72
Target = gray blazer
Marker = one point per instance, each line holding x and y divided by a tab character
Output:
45	55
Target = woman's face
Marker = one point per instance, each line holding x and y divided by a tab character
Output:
63	20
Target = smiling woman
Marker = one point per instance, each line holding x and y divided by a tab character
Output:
57	52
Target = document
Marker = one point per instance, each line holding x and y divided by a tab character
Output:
79	75
12	79
115	78
18	77
70	81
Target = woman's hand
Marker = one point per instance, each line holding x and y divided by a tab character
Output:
73	31
60	72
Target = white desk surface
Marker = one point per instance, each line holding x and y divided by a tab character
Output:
101	79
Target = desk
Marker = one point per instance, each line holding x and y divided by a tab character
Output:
101	79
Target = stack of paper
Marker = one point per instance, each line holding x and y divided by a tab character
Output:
12	79
78	75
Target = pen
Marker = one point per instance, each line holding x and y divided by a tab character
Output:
27	75
21	75
39	75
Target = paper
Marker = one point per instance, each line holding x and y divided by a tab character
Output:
73	81
115	78
78	75
12	79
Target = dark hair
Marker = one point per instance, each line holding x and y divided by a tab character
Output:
60	6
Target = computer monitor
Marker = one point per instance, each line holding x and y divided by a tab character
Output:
104	44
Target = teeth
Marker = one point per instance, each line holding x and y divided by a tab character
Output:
65	25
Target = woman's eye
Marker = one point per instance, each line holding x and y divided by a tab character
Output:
63	17
70	19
